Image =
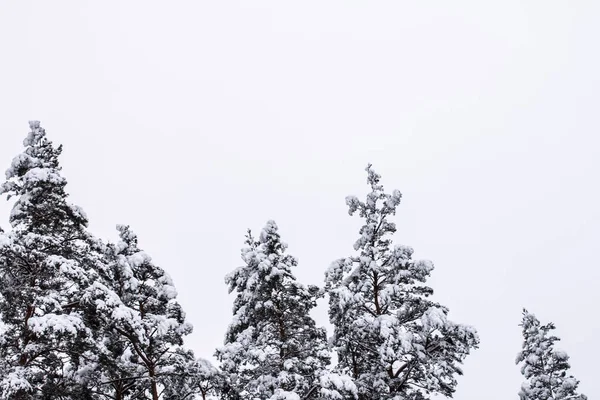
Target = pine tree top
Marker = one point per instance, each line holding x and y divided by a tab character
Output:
34	176
390	337
544	367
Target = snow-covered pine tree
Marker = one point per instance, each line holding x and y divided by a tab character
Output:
143	324
544	367
193	378
273	348
390	338
113	376
45	263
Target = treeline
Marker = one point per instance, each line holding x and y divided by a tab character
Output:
86	319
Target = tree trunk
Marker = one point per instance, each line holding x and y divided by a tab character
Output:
153	385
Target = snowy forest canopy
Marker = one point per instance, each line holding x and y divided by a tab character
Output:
82	318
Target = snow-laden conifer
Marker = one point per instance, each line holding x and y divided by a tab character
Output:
390	337
46	261
143	324
273	348
193	379
545	368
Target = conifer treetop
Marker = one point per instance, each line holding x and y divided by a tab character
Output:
34	176
389	336
544	367
273	348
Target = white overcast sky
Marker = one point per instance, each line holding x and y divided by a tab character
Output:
192	121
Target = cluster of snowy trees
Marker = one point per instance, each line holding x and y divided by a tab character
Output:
86	319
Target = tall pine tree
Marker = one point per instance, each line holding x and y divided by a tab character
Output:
46	262
273	349
544	367
390	338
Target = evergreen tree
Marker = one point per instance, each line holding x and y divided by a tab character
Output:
273	349
193	378
544	367
46	261
390	338
143	325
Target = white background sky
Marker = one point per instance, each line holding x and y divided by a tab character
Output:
192	121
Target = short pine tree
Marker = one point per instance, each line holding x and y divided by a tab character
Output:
390	338
544	367
143	325
193	378
273	349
